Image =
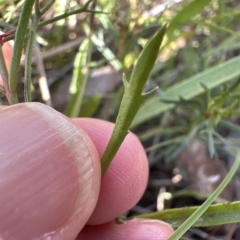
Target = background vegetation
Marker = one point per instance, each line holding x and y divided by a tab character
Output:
189	127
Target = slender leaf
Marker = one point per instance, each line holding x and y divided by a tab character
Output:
133	96
197	215
189	89
217	214
79	74
18	46
233	127
221	28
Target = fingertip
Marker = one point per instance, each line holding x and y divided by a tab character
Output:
135	229
125	181
49	176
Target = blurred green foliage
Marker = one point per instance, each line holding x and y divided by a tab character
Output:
197	69
195	74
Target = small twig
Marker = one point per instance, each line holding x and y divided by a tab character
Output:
62	48
63	16
17	50
42	81
231	231
66	14
57	50
47	7
5	35
91	21
29	53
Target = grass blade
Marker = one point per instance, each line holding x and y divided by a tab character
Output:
189	88
196	216
217	214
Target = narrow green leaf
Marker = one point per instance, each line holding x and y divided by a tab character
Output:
79	80
233	127
218	27
168	142
211	148
217	214
29	53
132	97
101	47
18	46
189	88
197	215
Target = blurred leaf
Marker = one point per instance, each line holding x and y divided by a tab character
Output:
227	215
102	47
90	106
159	130
221	28
211	148
80	74
233	127
189	89
216	214
185	15
229	43
169	142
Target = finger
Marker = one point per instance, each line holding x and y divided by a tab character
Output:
49	172
125	181
132	230
7	52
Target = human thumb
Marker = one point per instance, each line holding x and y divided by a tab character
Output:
49	174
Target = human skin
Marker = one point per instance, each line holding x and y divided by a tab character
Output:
48	193
51	185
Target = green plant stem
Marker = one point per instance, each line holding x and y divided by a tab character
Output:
216	26
18	46
66	14
29	53
62	16
198	213
46	8
132	97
